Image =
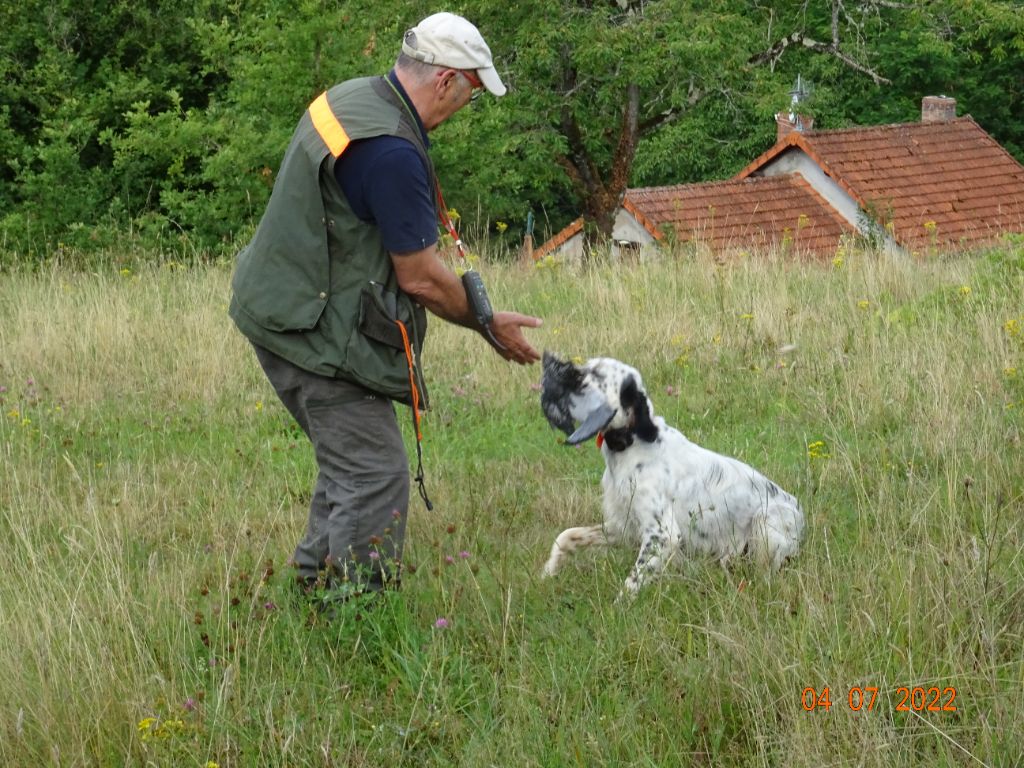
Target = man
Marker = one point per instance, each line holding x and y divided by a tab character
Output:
332	288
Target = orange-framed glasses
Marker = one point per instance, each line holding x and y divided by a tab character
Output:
475	83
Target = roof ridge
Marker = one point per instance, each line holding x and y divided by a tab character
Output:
714	183
885	126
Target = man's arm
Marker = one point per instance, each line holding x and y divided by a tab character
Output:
423	276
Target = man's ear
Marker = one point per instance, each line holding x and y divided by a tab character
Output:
634	402
447	78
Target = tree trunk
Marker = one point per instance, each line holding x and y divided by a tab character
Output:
602	195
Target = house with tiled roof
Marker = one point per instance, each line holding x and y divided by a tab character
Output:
942	183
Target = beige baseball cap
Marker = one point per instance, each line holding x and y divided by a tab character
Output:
448	40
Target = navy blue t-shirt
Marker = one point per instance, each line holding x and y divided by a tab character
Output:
386	182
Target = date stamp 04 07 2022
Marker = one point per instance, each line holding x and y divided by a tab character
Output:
908	699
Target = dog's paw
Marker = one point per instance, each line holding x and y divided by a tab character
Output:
627	594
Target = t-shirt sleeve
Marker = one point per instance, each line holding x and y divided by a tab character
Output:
389	185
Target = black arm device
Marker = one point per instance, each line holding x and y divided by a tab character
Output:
479	304
476	294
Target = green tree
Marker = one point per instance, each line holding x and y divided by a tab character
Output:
590	82
71	71
172	118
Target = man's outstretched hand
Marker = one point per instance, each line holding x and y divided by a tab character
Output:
507	328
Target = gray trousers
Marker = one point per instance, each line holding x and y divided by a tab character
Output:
356	524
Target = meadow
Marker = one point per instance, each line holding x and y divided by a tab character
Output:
152	490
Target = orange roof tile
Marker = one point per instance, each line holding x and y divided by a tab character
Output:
745	214
560	238
937	184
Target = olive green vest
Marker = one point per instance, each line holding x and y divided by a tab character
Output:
315	285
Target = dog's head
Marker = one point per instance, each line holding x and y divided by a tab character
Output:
603	395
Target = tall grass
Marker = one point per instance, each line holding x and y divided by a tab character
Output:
152	490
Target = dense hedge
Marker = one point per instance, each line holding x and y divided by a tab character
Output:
161	124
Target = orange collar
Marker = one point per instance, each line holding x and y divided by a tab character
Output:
600	440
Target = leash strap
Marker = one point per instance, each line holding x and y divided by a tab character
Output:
446	220
410	361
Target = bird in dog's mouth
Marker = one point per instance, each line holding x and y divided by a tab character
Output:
566	400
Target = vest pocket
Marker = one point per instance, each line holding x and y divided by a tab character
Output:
375	355
378	310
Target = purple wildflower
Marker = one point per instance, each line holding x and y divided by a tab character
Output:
441	623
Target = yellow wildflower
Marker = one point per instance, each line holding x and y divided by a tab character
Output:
863	304
965	290
259	406
818	450
501	226
125	271
837	262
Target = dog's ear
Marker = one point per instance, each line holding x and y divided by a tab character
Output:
634	403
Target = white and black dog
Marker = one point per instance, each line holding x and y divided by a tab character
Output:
661	491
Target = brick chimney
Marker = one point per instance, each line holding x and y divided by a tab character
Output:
787	122
938	109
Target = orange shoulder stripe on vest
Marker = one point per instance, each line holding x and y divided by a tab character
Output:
327	125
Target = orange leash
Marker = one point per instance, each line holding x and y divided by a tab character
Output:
412	379
415	414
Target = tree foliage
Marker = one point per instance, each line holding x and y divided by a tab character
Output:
168	120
